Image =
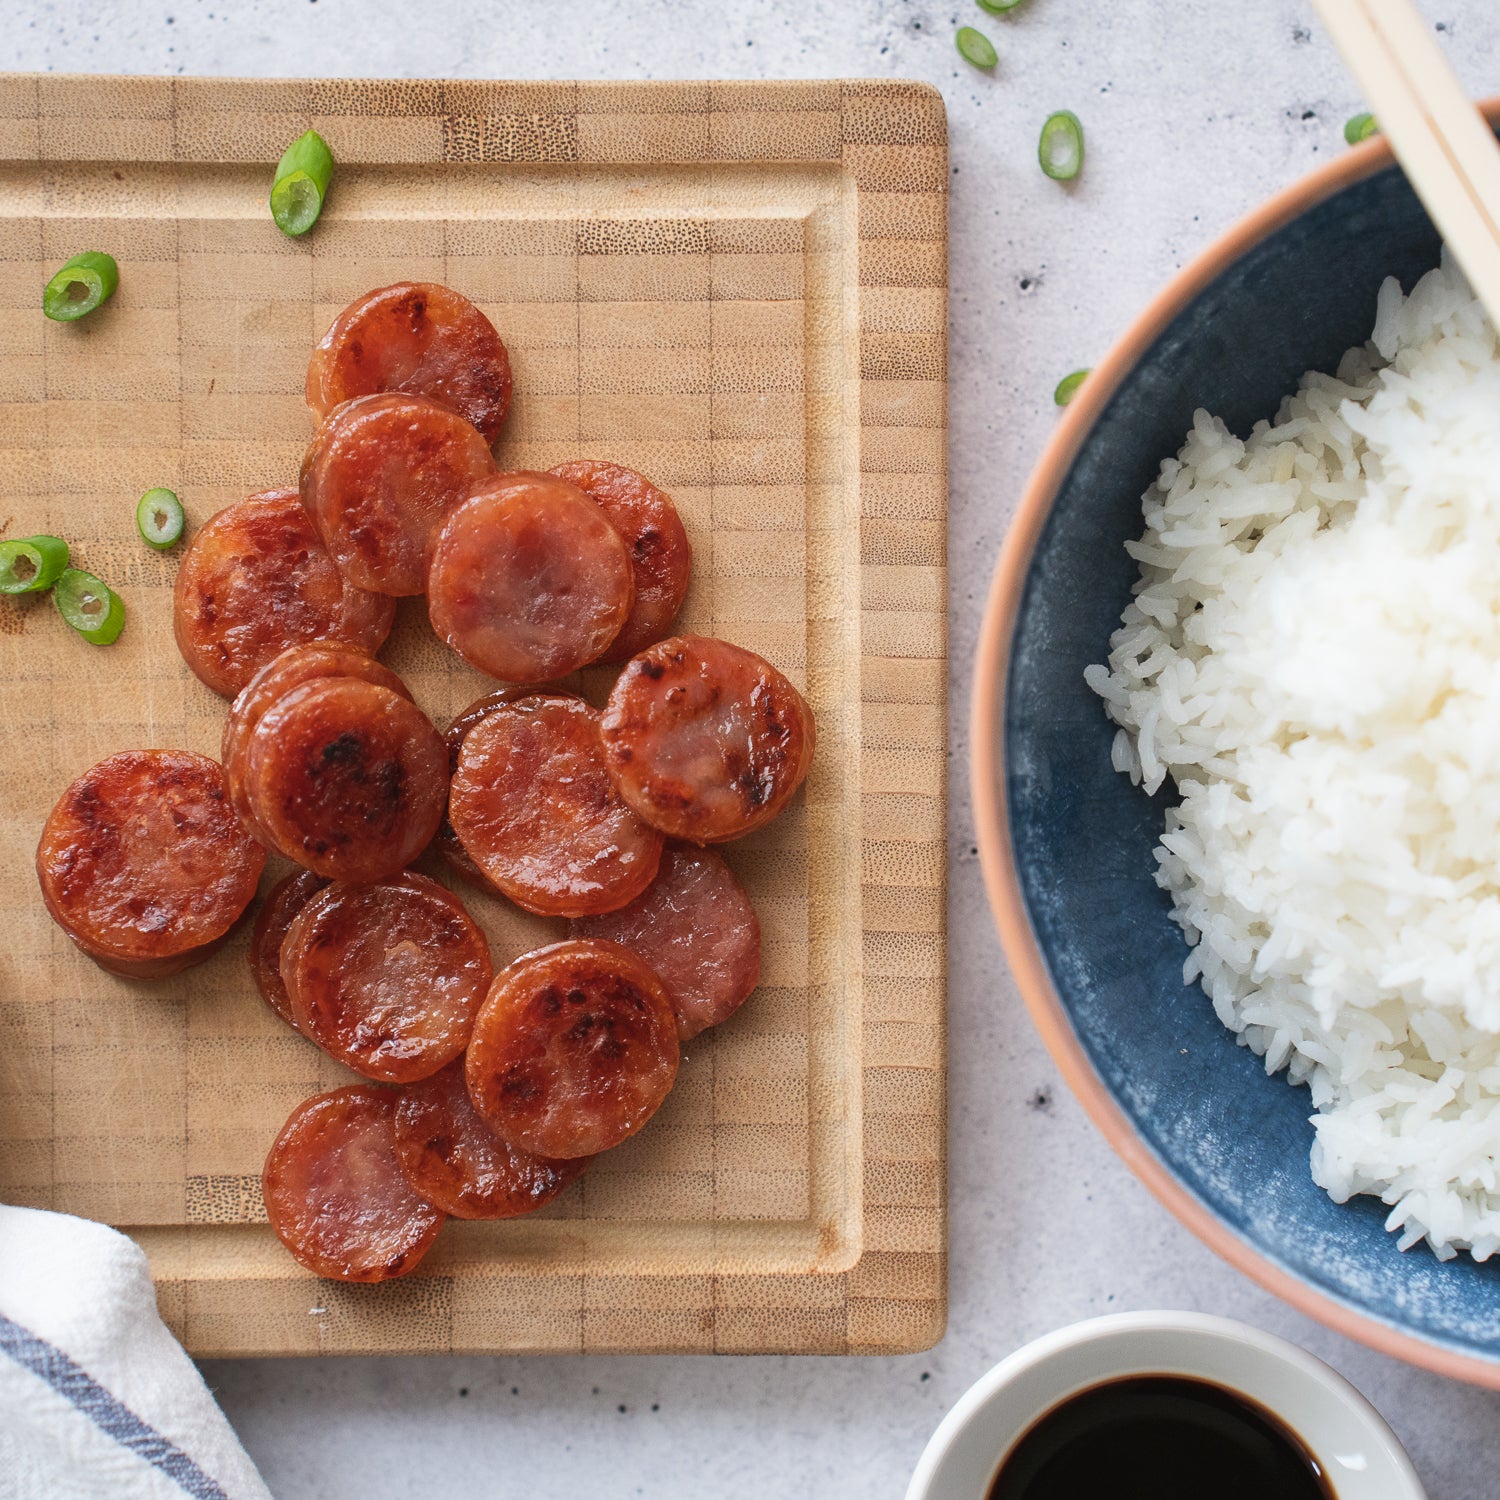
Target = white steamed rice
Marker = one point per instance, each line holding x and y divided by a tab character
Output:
1312	656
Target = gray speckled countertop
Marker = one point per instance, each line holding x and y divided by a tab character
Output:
1195	112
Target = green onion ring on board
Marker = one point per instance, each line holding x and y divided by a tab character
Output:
301	183
30	564
159	519
80	285
92	608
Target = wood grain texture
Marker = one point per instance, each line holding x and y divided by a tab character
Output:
739	289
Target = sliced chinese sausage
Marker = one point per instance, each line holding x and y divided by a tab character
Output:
295	666
257	579
447	842
660	555
574	1049
387	978
347	778
529	581
417	337
453	1159
480	708
532	805
143	863
378	479
336	1196
705	740
276	915
696	927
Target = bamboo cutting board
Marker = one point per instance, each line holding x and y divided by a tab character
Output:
737	288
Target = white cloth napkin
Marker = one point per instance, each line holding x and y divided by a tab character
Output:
97	1400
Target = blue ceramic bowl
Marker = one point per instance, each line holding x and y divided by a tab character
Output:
1067	842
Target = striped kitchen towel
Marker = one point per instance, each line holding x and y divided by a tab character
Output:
97	1399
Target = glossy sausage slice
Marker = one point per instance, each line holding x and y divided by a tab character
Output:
296	665
418	337
574	1050
387	978
705	740
529	581
144	864
347	778
378	479
257	579
335	1195
447	843
277	913
696	927
660	555
453	1159
533	807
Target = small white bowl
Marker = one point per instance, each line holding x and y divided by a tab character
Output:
1348	1437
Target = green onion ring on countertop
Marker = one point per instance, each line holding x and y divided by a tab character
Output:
1067	387
1060	149
975	47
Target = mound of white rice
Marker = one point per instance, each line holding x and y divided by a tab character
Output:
1312	656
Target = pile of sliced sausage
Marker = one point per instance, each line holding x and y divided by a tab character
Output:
489	1093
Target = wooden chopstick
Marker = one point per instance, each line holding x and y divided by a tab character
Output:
1441	140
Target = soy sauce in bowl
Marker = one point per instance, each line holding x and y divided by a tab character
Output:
1160	1437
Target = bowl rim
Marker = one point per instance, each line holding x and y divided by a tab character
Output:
1117	1336
987	775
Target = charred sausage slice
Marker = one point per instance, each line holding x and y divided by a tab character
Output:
144	864
257	579
660	555
417	337
453	1159
696	927
387	978
335	1195
347	778
533	807
277	913
447	842
378	479
529	581
705	740
295	666
574	1050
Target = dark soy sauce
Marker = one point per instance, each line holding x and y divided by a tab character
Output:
1160	1437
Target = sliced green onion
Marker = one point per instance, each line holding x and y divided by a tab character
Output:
998	7
1067	387
80	286
31	564
92	608
301	183
976	47
1361	128
1060	149
160	519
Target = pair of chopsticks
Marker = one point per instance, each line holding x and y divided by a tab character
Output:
1444	145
